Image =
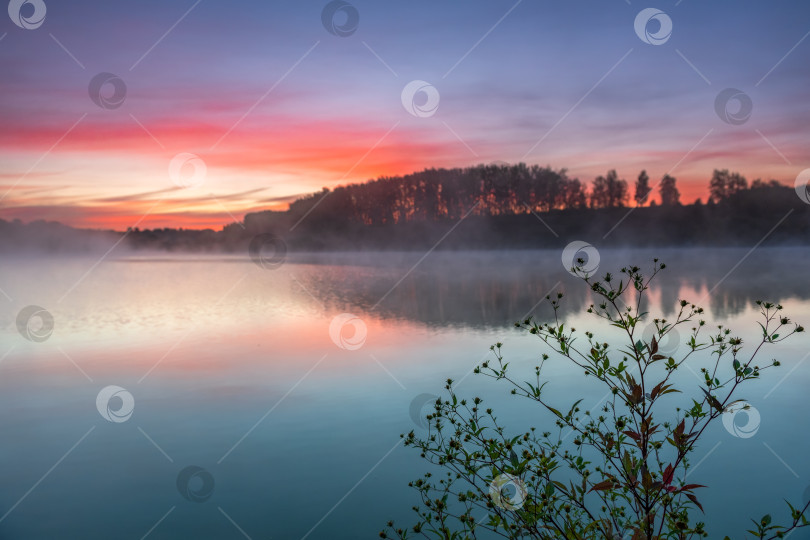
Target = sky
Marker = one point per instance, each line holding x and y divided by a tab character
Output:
191	113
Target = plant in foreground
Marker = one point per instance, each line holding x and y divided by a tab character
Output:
619	473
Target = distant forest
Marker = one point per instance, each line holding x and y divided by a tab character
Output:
481	207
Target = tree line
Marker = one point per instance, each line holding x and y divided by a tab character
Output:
501	204
496	190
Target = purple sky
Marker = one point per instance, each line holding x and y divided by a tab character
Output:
275	105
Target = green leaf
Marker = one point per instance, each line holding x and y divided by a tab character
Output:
574	406
560	485
713	400
555	411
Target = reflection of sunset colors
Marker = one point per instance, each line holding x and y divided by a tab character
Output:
335	113
272	321
231	298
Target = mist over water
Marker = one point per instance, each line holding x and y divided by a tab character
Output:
237	370
468	289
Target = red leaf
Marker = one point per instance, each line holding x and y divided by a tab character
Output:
669	472
602	486
694	500
635	436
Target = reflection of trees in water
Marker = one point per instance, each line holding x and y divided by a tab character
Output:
724	305
773	274
670	295
442	296
496	289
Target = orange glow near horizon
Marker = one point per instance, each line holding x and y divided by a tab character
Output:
214	213
114	175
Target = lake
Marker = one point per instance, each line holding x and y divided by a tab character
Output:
207	396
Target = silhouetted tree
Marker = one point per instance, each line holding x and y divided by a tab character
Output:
608	191
737	183
670	196
642	189
759	183
724	184
575	194
599	193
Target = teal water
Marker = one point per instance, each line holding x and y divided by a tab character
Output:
294	432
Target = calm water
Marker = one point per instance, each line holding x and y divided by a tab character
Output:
231	369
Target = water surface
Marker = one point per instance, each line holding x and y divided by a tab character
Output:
232	370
